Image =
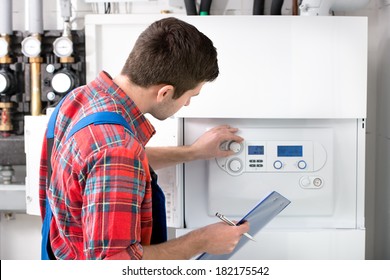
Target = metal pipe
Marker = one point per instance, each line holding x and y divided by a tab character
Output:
5	17
35	19
35	73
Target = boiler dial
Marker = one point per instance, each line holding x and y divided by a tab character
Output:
235	147
235	165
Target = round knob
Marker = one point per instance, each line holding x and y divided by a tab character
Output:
235	147
235	165
278	164
302	164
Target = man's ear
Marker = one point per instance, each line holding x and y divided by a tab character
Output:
165	92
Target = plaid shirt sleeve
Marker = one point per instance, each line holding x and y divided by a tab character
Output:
112	203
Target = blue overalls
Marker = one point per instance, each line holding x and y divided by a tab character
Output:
159	229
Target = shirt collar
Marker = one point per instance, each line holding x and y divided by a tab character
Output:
140	125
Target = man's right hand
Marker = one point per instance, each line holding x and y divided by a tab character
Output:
221	238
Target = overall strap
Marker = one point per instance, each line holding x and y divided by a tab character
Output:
96	119
46	251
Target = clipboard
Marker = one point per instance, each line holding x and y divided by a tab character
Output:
258	217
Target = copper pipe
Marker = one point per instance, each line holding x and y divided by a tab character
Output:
295	7
35	73
68	59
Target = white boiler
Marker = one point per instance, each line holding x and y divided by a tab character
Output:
295	87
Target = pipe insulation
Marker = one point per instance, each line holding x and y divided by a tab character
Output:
35	20
258	7
276	7
204	7
190	7
5	17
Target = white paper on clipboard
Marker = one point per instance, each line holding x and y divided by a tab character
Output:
258	217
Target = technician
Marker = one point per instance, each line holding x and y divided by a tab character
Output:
100	190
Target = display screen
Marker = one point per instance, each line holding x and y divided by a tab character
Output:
290	151
255	150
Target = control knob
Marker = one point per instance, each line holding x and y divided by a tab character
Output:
235	165
232	146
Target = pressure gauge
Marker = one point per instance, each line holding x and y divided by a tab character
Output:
31	46
63	47
3	47
4	83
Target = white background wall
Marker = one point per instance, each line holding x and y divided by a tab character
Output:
20	233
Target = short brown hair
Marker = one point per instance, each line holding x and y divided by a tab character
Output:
171	51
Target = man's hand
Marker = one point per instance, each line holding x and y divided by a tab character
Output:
223	238
216	239
208	145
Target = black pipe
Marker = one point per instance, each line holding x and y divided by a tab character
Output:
258	7
191	7
276	7
204	8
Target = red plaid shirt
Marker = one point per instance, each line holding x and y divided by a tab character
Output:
100	191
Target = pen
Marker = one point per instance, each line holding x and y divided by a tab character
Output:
229	222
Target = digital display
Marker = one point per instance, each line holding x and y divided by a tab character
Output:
290	151
255	150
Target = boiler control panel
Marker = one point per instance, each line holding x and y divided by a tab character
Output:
272	156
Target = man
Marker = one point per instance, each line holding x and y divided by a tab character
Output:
100	190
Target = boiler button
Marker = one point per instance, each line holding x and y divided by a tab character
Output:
302	164
305	182
278	164
317	182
